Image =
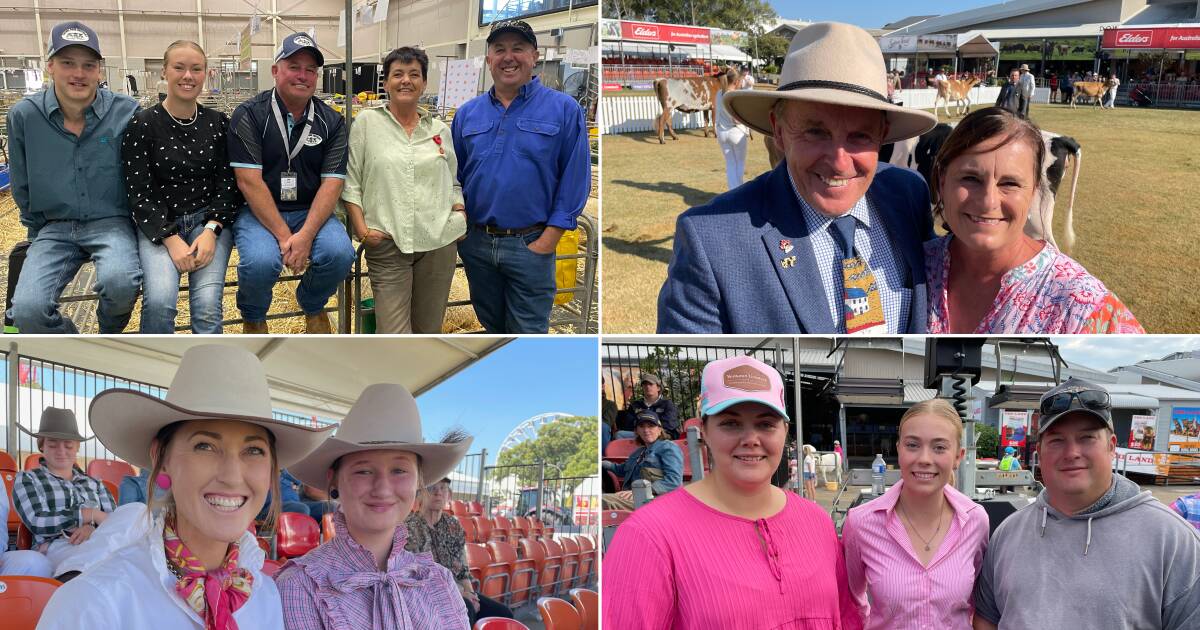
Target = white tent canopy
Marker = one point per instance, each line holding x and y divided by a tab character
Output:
726	52
974	44
308	376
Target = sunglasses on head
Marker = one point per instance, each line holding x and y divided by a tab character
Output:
1095	400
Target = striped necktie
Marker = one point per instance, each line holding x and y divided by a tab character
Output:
860	295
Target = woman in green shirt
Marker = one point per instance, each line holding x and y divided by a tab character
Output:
404	200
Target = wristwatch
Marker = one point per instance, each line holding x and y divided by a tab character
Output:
215	227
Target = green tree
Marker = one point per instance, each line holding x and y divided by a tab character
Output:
680	377
737	15
987	442
771	48
570	444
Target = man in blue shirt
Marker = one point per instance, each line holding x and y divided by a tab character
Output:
67	181
525	170
291	174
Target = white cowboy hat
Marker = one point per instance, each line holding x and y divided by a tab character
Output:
834	63
385	416
213	382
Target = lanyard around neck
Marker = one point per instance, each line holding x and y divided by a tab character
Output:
292	152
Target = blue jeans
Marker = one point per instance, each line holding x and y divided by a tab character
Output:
259	263
58	251
512	288
160	289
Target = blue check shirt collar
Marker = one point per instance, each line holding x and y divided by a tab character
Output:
817	221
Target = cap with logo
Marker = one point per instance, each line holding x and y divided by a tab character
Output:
296	42
512	26
647	416
73	34
1075	395
651	378
727	382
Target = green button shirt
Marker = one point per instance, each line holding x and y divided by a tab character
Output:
403	183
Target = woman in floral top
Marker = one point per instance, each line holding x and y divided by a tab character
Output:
431	530
987	276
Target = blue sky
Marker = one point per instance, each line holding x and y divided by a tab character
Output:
1110	351
870	13
526	377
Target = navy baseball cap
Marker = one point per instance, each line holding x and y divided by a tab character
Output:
646	416
73	34
296	42
512	26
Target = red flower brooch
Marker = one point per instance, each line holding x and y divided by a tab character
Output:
438	141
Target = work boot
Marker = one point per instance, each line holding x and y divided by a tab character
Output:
317	324
254	328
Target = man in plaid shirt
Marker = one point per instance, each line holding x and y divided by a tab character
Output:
59	504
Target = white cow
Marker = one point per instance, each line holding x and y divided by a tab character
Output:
830	463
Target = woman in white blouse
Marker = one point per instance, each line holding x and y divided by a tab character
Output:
404	201
193	564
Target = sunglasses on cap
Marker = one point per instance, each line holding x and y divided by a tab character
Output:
1093	399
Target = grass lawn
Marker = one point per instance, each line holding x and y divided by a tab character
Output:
1137	210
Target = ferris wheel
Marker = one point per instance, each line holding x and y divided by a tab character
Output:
528	430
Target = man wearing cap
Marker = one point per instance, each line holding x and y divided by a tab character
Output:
525	169
1093	551
829	241
61	506
652	400
1026	84
67	181
288	151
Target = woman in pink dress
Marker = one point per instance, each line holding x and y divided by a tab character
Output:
912	554
730	551
987	276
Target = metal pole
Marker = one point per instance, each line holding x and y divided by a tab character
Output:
541	484
482	466
14	360
37	18
799	409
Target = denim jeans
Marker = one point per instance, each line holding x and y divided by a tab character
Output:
512	287
160	278
259	263
58	251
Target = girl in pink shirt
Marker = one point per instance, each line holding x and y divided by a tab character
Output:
912	555
730	551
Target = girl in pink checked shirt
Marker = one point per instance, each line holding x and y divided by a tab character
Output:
730	551
912	554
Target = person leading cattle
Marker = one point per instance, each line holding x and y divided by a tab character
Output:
829	241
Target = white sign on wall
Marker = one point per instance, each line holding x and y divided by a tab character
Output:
459	83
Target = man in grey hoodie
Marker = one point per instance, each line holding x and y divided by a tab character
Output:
1093	551
65	149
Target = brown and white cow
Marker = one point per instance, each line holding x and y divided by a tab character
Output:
1092	89
957	90
691	94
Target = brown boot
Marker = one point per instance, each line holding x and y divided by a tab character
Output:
254	328
317	324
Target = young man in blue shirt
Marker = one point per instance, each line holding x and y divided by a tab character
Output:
525	169
65	160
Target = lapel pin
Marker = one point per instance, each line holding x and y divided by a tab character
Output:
790	261
785	245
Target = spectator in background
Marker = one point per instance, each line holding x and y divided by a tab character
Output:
18	562
1026	84
61	506
732	136
1113	84
657	460
731	550
1010	93
653	399
1189	508
608	418
431	530
810	471
289	497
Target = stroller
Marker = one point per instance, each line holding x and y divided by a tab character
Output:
1138	97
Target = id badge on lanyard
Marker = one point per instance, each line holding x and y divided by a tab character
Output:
288	180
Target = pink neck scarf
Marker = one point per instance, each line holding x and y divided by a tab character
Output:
215	594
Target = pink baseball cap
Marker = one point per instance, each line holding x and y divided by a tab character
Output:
727	382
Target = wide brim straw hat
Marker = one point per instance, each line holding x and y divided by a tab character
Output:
213	382
836	64
385	417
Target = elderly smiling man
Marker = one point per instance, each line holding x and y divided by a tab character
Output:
827	242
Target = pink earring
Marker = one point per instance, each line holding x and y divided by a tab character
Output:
163	481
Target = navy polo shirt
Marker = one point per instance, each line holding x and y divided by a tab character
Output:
255	142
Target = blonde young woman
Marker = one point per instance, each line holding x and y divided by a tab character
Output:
731	551
364	577
404	200
912	554
213	446
183	196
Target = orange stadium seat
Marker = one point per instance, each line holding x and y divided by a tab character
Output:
24	537
112	489
7	462
14	520
620	450
23	598
519	529
109	470
687	459
459	508
557	614
499	623
570	562
587	603
483	528
468	525
500	528
327	529
475	508
547	573
587	559
567	563
296	535
522	572
32	460
493	576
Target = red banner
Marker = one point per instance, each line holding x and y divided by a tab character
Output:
670	33
1169	38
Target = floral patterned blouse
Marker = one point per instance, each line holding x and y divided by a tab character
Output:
446	540
1049	294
